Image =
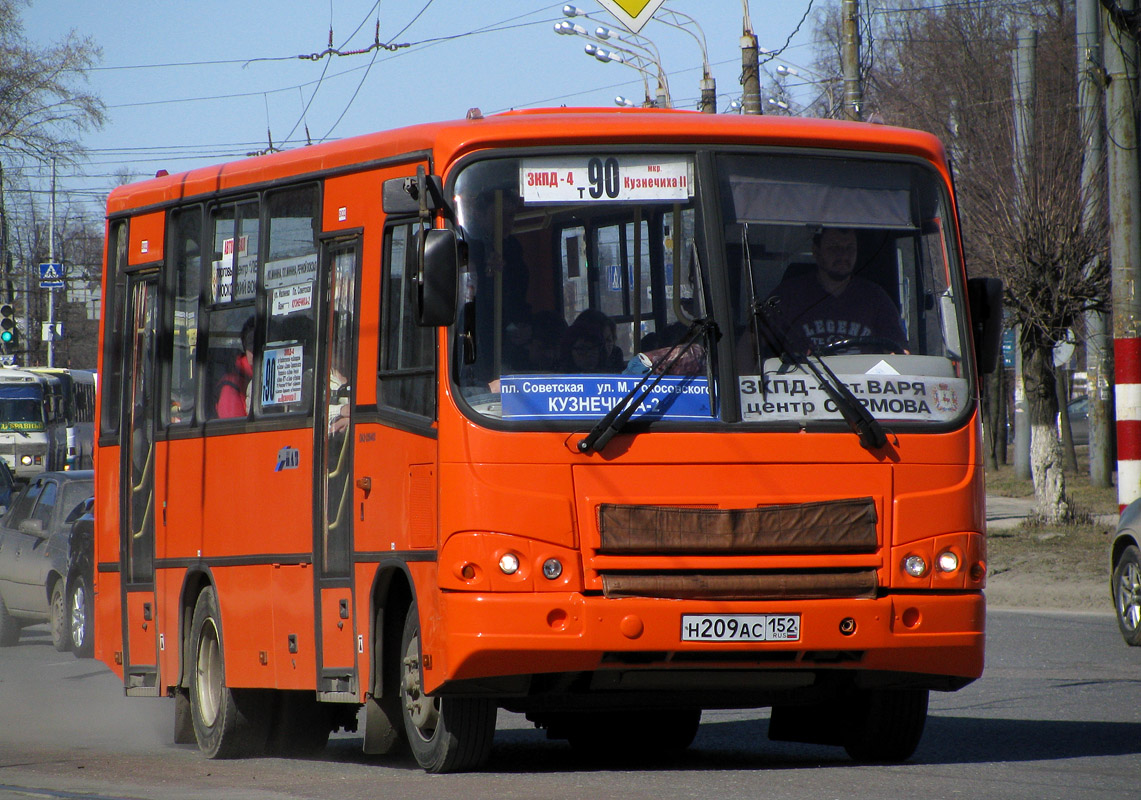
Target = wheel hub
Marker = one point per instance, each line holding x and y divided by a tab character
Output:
421	709
1129	596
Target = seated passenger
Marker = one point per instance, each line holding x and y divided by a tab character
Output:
233	388
581	351
831	305
604	328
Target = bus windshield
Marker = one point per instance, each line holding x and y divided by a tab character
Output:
584	273
21	407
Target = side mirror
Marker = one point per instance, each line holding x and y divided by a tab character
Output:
985	298
32	527
436	289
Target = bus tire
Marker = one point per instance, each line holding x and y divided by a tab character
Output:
1127	595
885	725
57	610
80	625
228	723
9	627
450	734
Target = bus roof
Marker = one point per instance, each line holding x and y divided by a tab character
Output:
446	141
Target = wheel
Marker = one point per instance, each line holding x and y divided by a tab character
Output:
9	627
79	617
638	734
1126	588
862	344
445	734
61	629
228	723
885	725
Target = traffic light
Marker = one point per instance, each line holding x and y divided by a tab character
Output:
8	331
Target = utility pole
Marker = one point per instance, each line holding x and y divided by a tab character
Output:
853	94
51	260
750	67
1098	364
1120	52
1024	90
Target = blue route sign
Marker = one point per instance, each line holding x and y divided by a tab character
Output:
51	276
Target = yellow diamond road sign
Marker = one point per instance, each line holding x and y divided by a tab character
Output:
632	13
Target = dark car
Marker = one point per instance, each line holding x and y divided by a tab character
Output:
80	579
34	540
7	485
1125	573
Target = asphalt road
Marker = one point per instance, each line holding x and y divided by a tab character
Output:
1057	714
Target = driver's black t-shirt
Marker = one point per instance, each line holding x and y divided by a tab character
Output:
813	318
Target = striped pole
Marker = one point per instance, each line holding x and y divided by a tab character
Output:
1120	53
1127	370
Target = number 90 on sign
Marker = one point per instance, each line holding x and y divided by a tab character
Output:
740	628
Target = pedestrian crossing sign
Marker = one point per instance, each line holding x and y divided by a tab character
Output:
634	14
51	276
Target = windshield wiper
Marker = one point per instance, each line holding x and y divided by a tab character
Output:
617	417
859	419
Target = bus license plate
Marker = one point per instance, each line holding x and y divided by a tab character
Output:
740	628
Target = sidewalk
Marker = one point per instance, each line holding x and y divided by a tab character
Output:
1008	512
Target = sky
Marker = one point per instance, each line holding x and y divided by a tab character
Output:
190	83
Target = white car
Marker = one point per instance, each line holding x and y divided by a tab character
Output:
34	543
1125	571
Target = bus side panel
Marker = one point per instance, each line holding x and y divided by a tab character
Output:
108	620
108	579
399	511
337	628
178	498
246	608
292	589
257	517
168	590
256	502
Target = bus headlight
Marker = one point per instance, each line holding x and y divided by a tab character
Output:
948	561
509	563
552	569
915	566
26	460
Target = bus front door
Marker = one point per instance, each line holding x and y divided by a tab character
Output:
137	534
333	461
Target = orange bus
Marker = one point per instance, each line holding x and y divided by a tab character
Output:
604	417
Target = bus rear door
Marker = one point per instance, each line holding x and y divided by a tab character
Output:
137	534
333	481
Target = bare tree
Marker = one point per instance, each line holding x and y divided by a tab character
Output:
43	103
947	68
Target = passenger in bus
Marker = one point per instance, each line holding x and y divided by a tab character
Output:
831	306
582	351
604	328
233	388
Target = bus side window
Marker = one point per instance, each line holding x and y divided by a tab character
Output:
111	383
231	296
407	353
284	382
185	285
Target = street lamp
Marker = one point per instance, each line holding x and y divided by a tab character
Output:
676	19
624	102
620	55
821	82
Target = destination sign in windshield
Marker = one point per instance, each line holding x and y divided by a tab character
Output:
606	178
